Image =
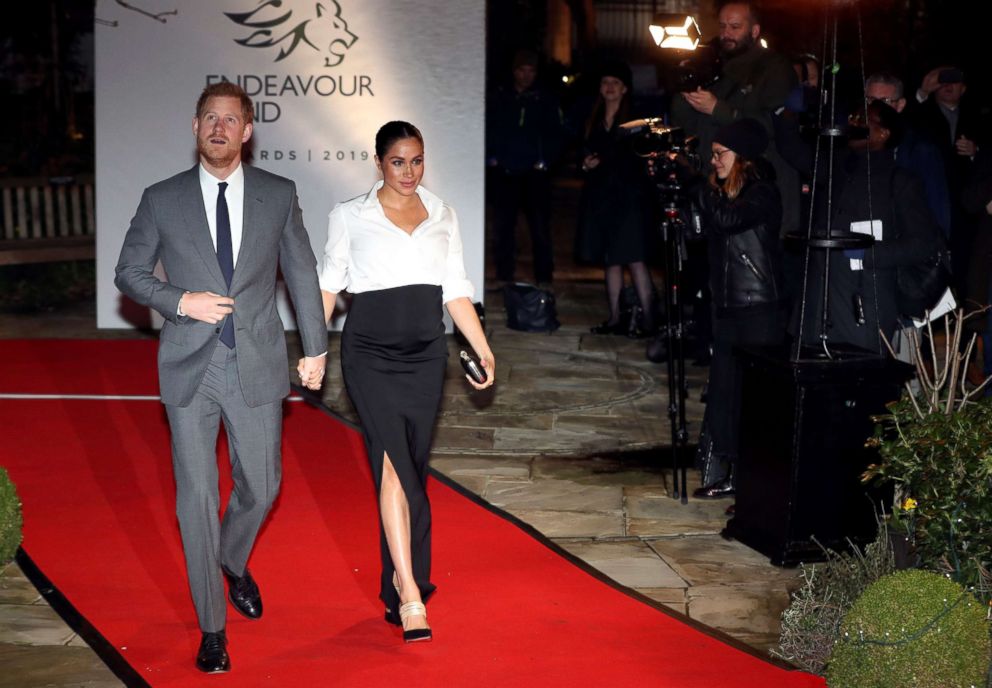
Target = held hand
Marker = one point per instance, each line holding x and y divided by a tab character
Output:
488	363
701	101
311	371
966	147
206	306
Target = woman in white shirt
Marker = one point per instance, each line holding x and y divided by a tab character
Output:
398	251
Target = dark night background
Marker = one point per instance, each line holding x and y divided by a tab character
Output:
46	80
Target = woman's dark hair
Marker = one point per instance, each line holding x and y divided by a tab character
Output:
391	132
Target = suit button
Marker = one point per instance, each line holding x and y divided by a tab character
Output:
216	330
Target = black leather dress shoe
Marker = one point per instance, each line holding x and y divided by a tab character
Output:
244	595
212	657
718	490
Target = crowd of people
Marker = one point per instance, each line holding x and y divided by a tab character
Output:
908	168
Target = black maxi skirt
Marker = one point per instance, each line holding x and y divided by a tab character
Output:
393	357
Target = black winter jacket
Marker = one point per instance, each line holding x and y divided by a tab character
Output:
742	235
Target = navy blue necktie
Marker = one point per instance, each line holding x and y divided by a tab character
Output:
225	257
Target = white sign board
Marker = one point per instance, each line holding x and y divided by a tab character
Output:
324	76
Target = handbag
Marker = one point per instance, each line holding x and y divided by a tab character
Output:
530	309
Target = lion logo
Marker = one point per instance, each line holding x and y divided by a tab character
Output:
326	31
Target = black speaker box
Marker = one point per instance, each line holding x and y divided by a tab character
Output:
803	430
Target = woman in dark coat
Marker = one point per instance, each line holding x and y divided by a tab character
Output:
741	214
614	210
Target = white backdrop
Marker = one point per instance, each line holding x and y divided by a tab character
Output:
324	76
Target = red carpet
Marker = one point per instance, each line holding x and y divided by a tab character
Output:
96	482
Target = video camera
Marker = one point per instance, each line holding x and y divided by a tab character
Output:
662	145
651	137
702	69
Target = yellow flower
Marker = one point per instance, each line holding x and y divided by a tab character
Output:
909	504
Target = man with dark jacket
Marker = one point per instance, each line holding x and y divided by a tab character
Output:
863	291
523	140
755	84
941	112
915	151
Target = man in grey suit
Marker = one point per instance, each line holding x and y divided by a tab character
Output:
221	230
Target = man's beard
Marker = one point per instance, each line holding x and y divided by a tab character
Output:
739	48
225	158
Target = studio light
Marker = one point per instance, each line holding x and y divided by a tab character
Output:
676	31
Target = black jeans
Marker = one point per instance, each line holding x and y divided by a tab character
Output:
733	327
530	190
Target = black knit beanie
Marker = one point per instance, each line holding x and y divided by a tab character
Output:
617	69
746	137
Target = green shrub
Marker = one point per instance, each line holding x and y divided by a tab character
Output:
912	629
811	623
943	461
10	518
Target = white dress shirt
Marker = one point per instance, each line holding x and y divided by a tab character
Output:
235	196
365	251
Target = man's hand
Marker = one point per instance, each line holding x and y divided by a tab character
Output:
206	306
701	101
590	162
931	82
966	147
311	370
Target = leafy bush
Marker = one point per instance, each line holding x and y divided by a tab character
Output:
943	462
935	445
10	518
912	629
811	623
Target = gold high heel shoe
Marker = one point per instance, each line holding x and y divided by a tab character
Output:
414	635
391	616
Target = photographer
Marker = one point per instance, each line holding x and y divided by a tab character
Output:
863	287
755	83
741	212
943	112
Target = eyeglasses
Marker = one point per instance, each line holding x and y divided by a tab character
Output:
887	101
718	154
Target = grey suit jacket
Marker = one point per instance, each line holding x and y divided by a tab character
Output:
170	225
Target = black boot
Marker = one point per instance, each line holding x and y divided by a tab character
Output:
724	487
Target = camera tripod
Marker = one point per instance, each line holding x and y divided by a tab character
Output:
673	242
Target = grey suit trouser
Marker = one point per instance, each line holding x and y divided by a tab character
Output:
253	436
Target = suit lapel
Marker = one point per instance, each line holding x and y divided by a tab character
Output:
196	220
249	226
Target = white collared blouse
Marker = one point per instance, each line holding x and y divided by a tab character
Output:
365	251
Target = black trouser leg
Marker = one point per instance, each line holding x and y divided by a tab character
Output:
507	193
537	206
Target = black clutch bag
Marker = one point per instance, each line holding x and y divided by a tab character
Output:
473	369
